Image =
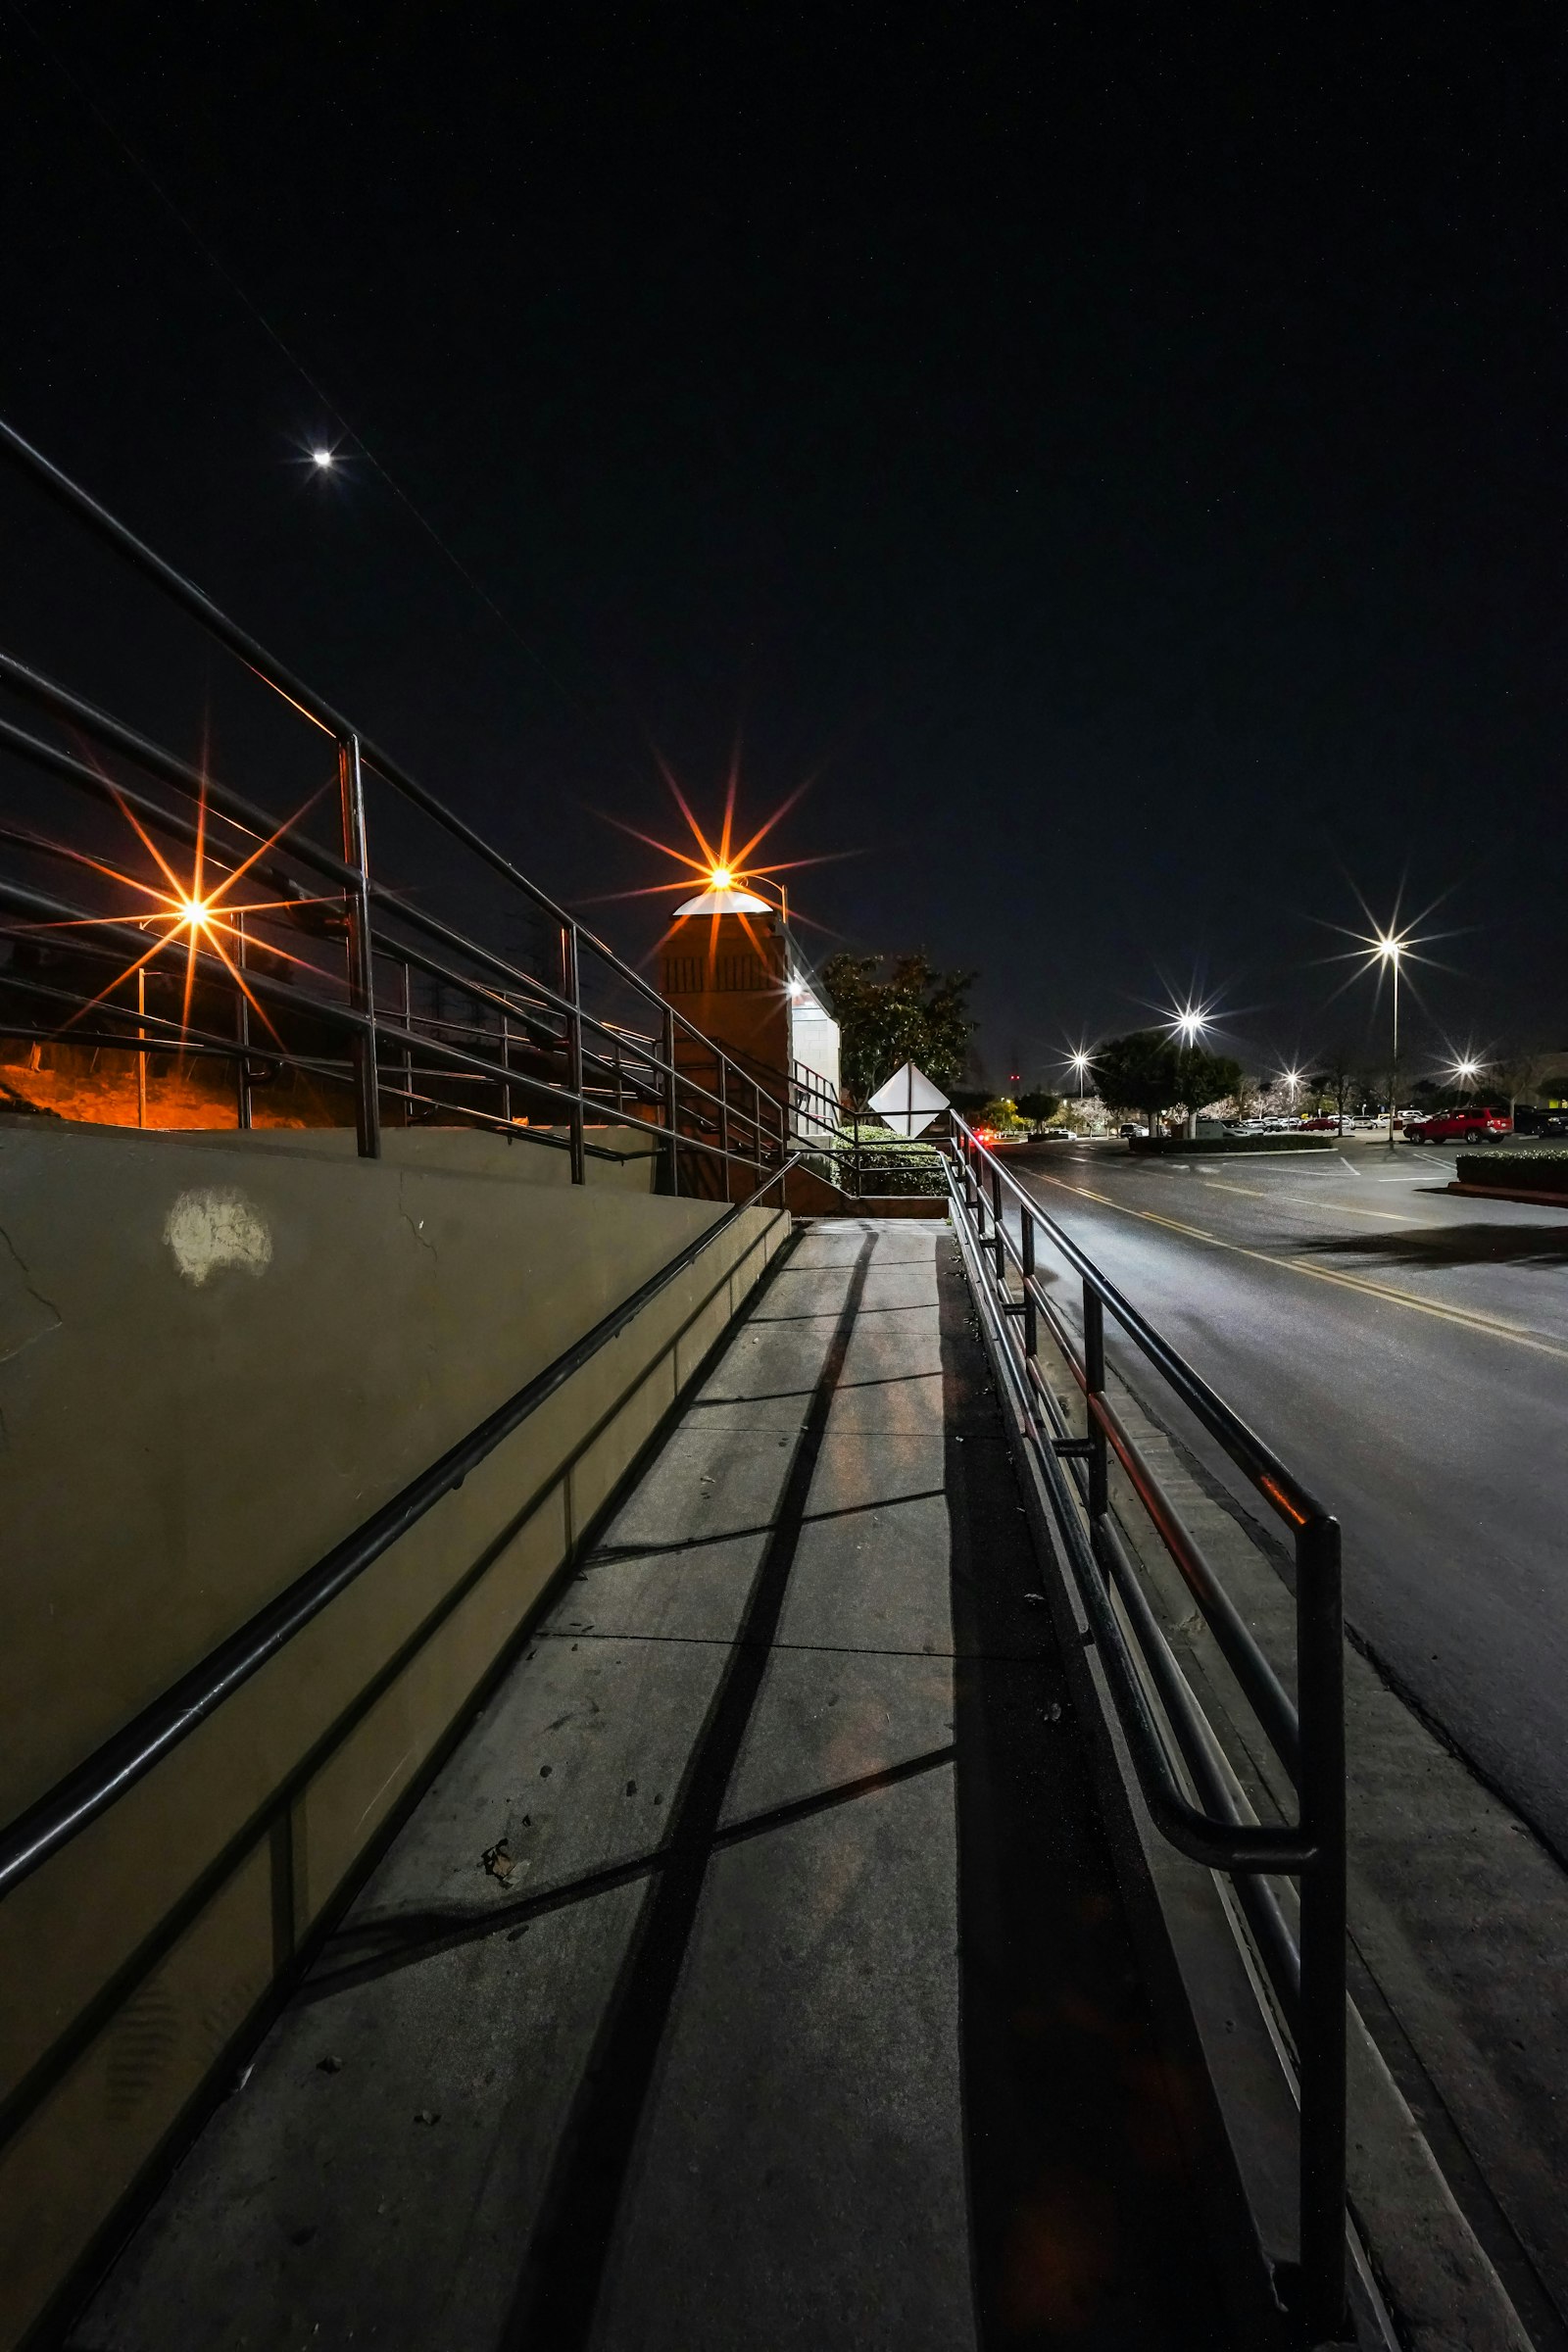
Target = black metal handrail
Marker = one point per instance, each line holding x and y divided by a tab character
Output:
1308	1977
96	1784
698	1102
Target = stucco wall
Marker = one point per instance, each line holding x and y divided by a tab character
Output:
217	1356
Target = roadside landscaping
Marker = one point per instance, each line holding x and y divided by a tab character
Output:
1514	1176
875	1163
1165	1146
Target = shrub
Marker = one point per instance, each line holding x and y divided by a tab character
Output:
887	1162
1515	1171
1165	1145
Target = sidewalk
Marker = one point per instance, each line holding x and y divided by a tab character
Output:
754	1974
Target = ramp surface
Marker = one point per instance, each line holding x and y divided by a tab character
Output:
753	1973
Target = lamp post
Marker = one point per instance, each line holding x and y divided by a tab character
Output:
1389	949
1189	1025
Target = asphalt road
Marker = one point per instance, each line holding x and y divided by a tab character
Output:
1405	1350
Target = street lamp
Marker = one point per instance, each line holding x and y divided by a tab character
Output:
1388	949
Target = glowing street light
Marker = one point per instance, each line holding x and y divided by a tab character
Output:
1388	947
1189	1022
324	459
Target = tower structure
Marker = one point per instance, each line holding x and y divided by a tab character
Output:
730	966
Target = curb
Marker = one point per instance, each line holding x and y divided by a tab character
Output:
1526	1193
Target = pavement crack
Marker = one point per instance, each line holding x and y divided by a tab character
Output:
30	1329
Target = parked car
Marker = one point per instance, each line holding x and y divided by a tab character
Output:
1130	1129
1534	1119
1325	1124
1457	1127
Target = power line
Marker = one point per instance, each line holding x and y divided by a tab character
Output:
215	262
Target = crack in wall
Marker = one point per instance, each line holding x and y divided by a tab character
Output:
11	1348
414	1225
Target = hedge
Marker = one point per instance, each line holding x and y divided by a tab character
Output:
1515	1171
1167	1145
886	1163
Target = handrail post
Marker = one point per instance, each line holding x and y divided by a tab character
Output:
242	1030
672	1104
362	971
999	1246
1095	1386
723	1122
407	1051
1320	1673
506	1063
571	990
141	1048
1031	1314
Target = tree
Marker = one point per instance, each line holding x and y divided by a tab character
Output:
1137	1073
1340	1080
1001	1114
1513	1077
913	1014
1203	1077
1153	1073
1038	1107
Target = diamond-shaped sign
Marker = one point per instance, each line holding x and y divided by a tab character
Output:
908	1101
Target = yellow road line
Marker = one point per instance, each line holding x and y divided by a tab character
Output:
1491	1324
1341	1208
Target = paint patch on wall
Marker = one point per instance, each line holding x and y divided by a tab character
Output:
216	1227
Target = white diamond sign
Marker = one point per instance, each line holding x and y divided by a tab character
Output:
908	1101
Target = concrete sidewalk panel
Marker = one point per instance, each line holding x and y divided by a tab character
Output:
827	1718
705	1482
873	1578
683	1592
366	2182
574	1765
809	2095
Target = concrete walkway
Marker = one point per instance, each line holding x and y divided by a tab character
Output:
754	1974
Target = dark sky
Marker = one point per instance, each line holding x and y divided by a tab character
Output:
1117	451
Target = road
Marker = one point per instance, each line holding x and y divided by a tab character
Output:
1405	1350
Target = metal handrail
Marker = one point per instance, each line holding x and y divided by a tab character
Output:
746	1111
87	1791
285	681
1309	1977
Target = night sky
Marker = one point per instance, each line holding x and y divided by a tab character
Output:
1116	452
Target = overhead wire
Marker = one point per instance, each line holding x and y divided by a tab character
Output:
242	295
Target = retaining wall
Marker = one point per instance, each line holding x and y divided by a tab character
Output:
218	1355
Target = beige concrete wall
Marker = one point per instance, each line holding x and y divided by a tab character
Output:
217	1356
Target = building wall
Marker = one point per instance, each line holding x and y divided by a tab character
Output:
726	975
217	1356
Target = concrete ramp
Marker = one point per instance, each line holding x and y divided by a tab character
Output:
755	1973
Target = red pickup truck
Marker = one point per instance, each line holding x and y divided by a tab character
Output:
1457	1127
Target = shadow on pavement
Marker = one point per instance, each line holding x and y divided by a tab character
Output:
1472	1245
